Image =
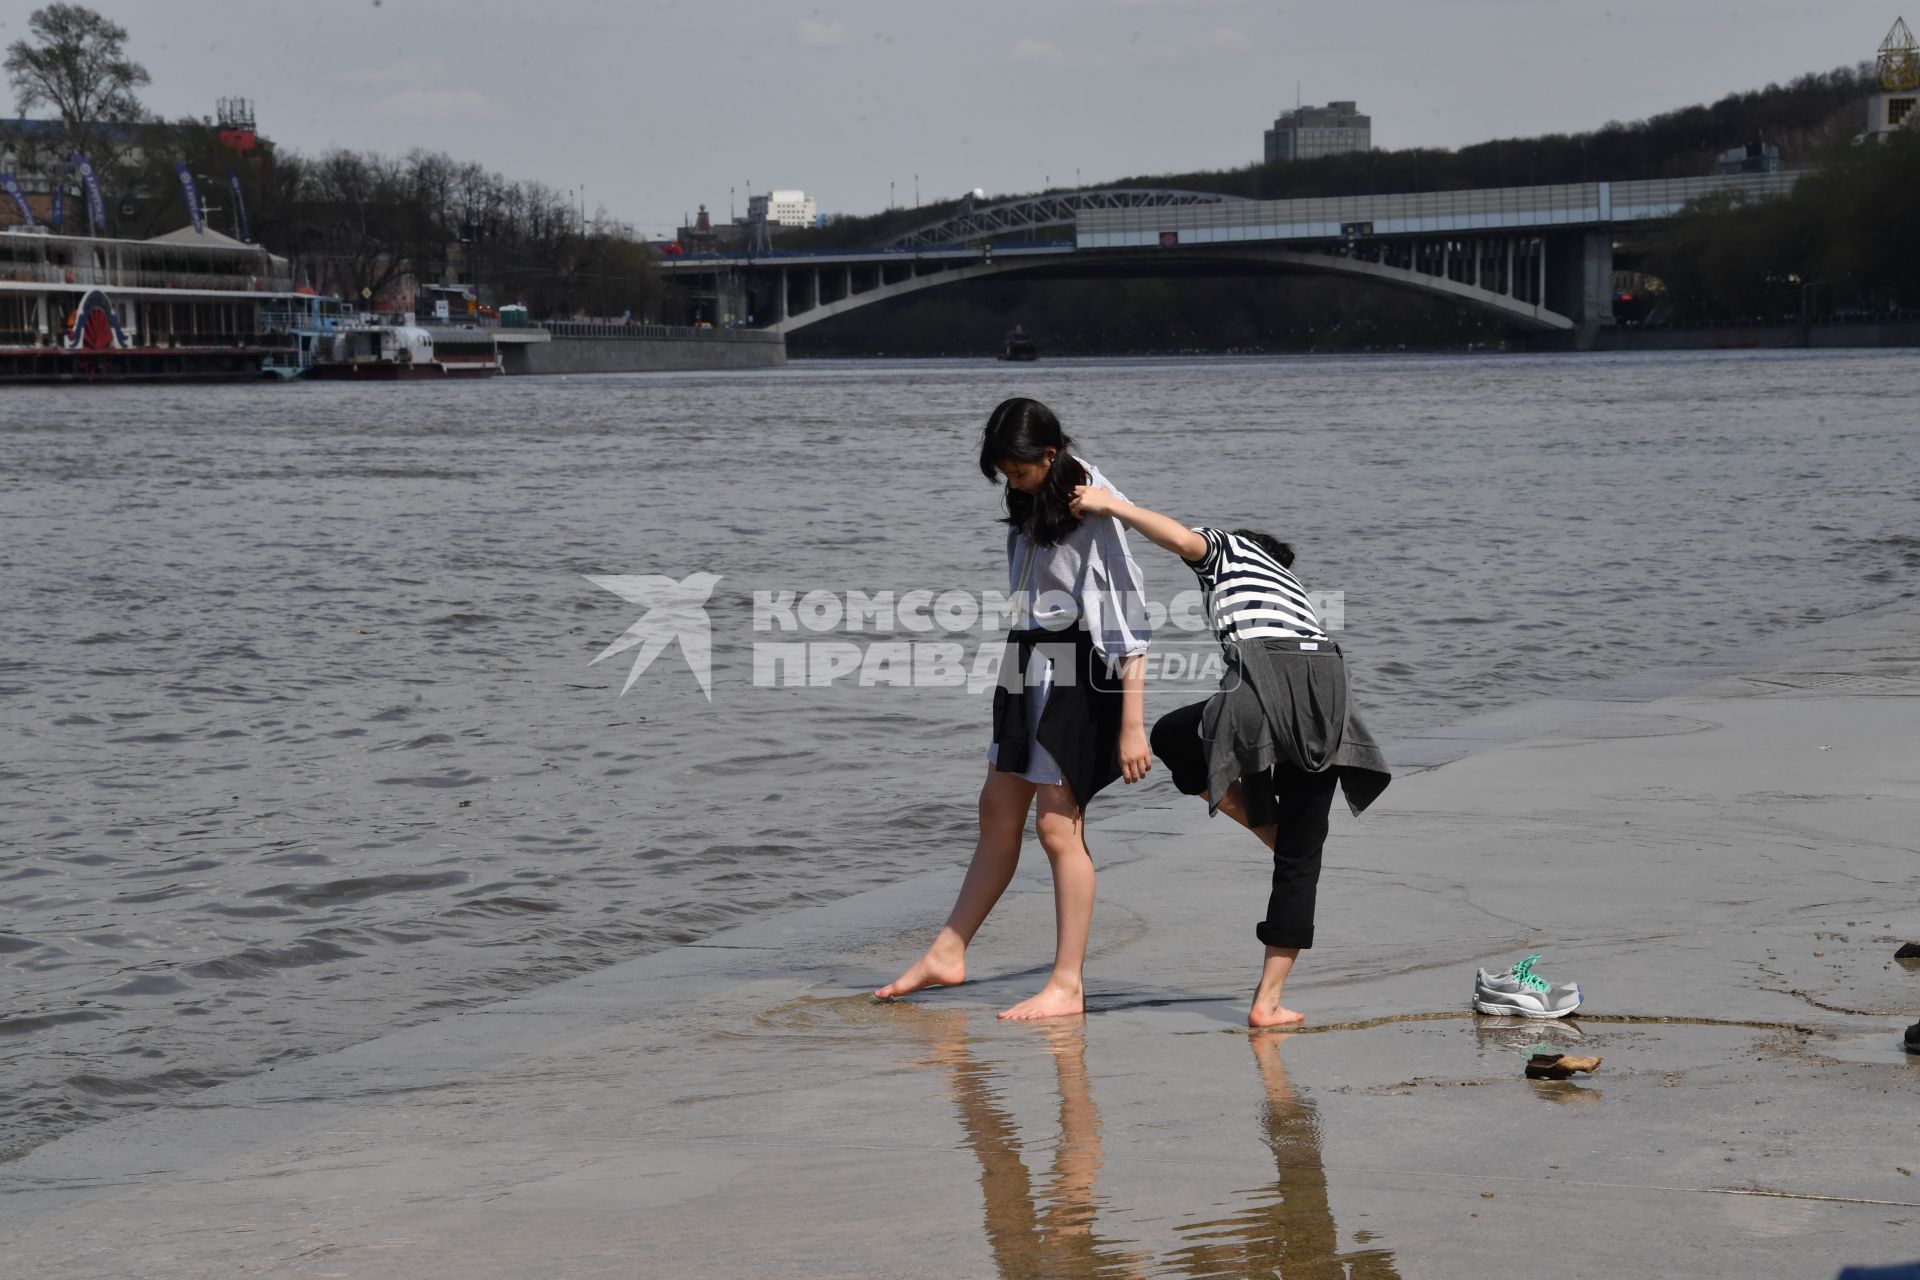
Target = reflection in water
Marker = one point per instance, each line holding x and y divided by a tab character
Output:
1500	1036
1045	1229
1287	1229
1047	1226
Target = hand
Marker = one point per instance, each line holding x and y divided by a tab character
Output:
1136	760
1092	500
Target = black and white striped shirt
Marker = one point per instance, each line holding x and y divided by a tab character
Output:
1250	595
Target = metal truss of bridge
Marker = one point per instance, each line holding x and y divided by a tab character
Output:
1018	219
1540	258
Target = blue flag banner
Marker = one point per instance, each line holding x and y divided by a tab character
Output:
239	206
193	197
96	207
12	188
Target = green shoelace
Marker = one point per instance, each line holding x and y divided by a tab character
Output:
1524	972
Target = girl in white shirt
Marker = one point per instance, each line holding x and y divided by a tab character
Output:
1056	741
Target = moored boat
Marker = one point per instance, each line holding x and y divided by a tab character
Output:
181	307
387	351
309	322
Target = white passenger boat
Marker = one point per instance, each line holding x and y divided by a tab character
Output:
386	349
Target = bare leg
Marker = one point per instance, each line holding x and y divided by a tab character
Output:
1004	801
1061	826
1267	1011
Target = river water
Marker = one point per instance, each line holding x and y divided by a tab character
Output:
300	741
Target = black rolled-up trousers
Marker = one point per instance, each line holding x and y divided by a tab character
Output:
1292	801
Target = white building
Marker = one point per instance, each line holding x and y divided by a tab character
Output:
793	209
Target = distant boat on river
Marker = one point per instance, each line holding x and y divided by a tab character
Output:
1018	346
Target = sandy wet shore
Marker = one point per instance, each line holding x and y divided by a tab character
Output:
1727	872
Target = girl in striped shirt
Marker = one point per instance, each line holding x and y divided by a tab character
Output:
1268	748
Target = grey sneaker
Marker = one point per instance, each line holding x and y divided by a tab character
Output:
1519	992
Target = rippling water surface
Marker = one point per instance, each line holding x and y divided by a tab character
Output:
299	741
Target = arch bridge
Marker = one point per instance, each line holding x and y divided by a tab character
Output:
1539	258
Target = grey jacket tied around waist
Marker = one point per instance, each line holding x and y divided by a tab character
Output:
1287	700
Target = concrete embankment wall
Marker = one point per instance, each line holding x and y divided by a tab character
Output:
708	349
1904	333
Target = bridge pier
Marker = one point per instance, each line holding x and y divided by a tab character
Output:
1581	284
1595	309
730	298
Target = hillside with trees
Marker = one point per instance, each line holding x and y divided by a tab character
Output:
1841	243
1800	117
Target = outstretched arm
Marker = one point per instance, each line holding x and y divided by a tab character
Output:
1162	531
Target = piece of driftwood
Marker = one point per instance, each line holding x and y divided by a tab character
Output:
1558	1066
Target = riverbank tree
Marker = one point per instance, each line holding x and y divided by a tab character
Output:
1842	241
353	221
73	65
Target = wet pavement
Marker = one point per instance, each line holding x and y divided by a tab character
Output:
1726	872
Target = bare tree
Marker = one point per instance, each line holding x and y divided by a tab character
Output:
356	203
76	63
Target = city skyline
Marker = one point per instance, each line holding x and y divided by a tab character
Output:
648	115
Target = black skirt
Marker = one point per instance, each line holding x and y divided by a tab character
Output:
1080	727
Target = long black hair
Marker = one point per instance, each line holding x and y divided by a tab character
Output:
1271	545
1022	430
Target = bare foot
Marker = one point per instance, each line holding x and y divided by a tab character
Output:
928	971
1056	1000
1273	1014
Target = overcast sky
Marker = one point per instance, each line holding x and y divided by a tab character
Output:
658	106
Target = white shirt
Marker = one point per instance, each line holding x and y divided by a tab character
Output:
1089	577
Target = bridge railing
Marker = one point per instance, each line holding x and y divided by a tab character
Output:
1341	217
623	329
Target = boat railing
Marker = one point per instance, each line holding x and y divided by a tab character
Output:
117	278
163	342
288	320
